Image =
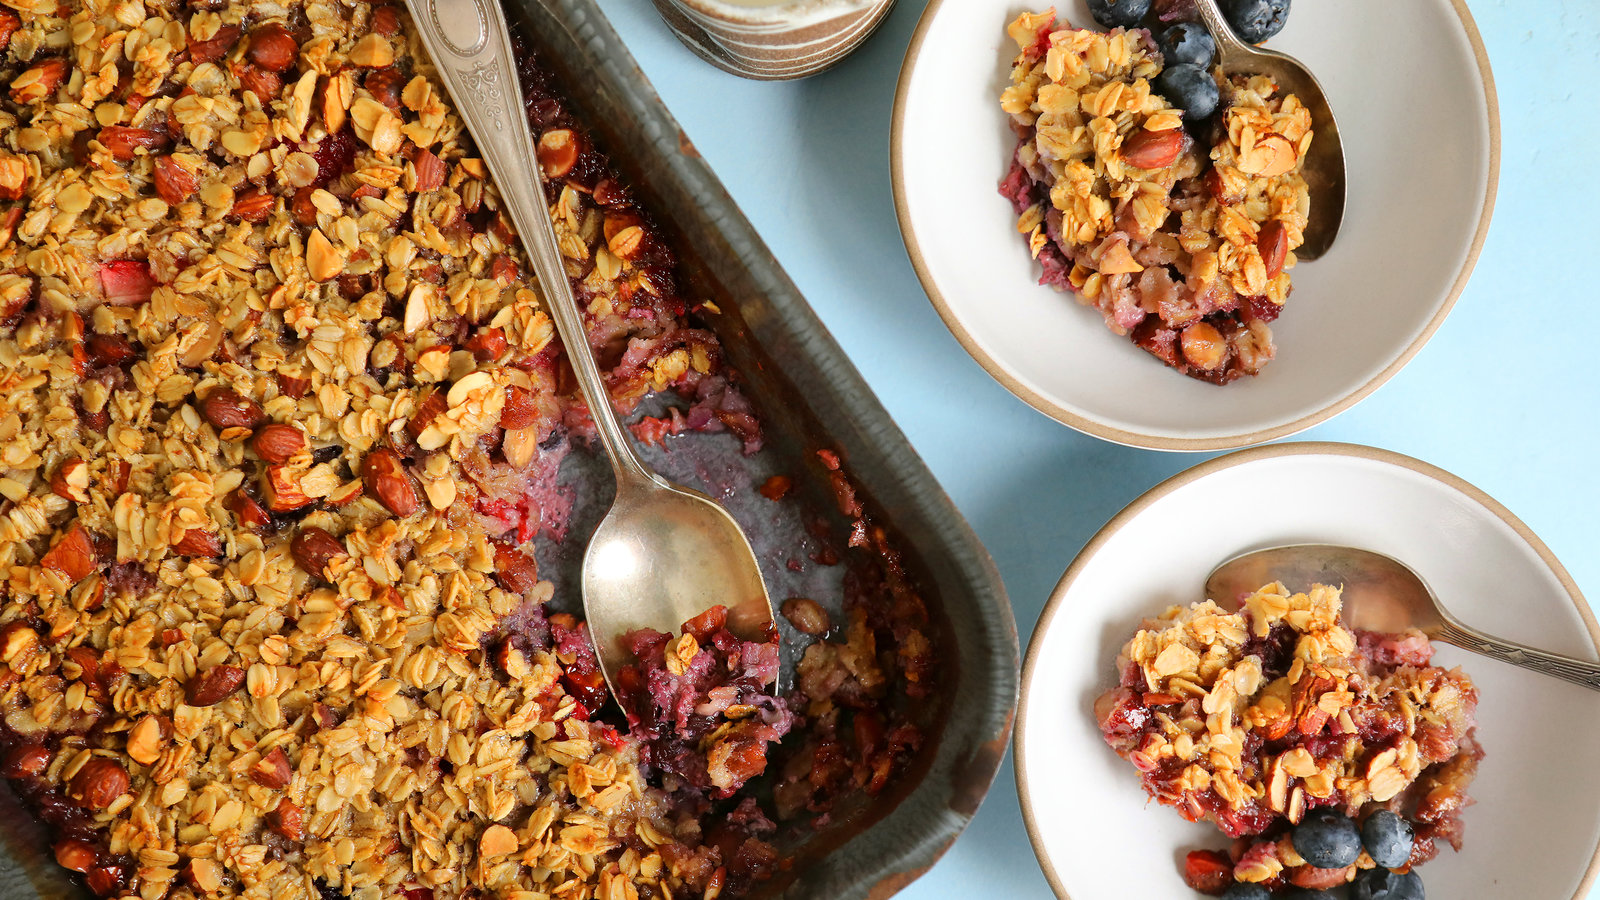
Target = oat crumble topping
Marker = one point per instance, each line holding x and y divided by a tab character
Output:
1252	719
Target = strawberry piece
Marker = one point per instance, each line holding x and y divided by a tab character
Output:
1208	871
127	282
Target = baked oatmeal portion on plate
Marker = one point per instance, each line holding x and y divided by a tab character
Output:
281	416
1277	716
1182	236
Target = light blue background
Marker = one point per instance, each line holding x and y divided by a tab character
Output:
1505	395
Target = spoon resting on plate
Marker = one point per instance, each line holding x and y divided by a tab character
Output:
663	553
1381	594
1323	167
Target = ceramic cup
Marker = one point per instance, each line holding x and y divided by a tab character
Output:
773	39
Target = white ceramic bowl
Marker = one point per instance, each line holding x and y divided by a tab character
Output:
1535	831
1411	87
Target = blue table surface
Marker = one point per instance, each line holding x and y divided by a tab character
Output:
1505	395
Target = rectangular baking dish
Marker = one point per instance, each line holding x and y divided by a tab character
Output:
809	399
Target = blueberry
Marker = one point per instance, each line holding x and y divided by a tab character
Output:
1388	839
1244	890
1382	884
1191	89
1328	839
1308	894
1188	42
1256	20
1118	13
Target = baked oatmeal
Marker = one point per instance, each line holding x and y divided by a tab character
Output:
1263	720
1182	237
281	416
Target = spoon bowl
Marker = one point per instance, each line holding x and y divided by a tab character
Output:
1380	593
1323	167
663	553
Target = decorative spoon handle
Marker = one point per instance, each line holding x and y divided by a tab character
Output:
471	47
1229	47
1566	668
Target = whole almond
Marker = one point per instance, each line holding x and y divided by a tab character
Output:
109	349
385	20
272	47
1273	243
197	542
40	80
272	770
99	783
25	761
217	47
174	183
1146	149
287	820
9	23
214	685
253	206
74	555
313	548
247	510
387	481
125	142
385	85
79	856
278	443
225	408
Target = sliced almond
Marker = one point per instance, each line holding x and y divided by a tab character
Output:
324	261
1118	261
1271	156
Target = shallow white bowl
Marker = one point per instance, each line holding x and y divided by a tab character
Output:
1535	831
1411	87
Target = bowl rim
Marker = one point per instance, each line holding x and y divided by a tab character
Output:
1096	428
1055	604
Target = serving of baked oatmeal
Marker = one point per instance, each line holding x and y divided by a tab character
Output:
281	417
1181	233
1282	727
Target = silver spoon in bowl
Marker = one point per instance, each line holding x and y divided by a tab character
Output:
1380	594
663	553
1323	167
